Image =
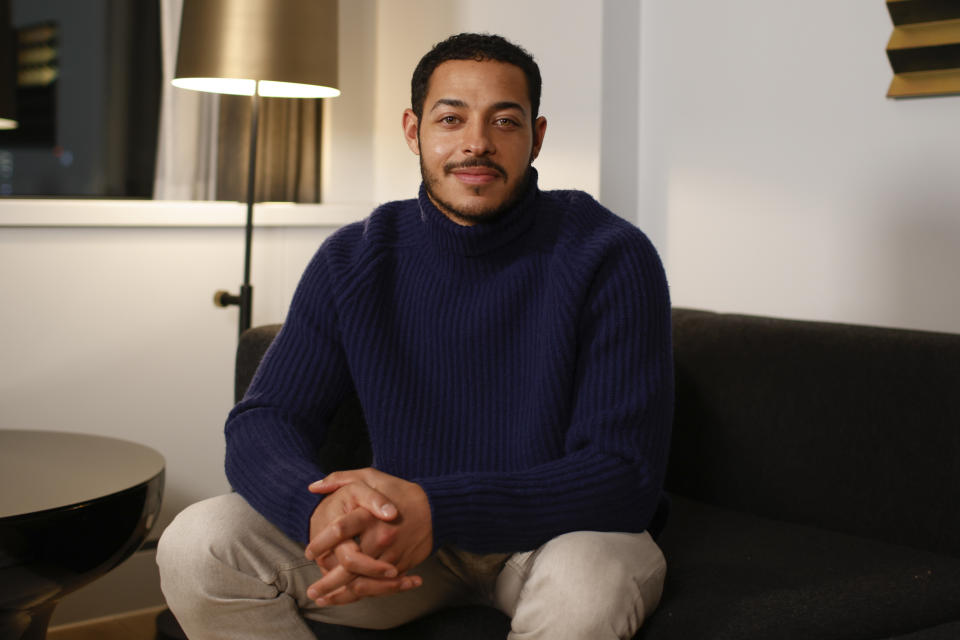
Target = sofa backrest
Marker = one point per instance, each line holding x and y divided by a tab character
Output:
852	428
253	344
847	427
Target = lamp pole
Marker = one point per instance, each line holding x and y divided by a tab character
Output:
245	299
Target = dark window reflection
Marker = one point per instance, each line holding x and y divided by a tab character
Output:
88	99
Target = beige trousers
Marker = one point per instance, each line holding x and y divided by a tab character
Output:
226	572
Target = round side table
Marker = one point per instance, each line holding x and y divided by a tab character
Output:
72	507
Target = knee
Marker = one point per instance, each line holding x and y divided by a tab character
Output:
614	562
599	584
199	537
183	537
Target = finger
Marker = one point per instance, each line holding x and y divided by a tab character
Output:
378	540
339	578
355	561
328	562
342	529
326	486
373	560
332	581
342	596
368	587
333	481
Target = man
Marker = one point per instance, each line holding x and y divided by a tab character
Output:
511	351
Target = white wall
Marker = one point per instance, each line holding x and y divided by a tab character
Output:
788	184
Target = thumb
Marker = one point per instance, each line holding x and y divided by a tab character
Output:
379	506
375	502
362	496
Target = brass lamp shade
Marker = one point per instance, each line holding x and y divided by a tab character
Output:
8	81
288	46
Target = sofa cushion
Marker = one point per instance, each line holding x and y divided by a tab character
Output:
739	576
949	631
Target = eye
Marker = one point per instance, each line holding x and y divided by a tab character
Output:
449	120
506	123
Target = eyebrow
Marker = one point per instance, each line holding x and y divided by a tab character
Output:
460	104
500	106
450	102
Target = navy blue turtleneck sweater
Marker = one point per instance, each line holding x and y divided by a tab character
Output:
519	370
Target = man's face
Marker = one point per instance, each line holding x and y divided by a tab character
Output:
475	139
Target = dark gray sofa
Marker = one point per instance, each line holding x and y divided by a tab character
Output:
815	484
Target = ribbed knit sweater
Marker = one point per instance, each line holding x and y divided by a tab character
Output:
519	370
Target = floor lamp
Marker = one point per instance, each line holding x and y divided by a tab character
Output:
273	48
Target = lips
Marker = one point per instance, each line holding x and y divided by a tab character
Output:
476	175
476	171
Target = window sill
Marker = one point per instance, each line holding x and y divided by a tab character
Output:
44	212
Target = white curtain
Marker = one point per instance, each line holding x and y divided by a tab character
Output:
187	148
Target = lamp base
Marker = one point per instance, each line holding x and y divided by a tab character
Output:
224	299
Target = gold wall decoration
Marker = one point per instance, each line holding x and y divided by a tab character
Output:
924	48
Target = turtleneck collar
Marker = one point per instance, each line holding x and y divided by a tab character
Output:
482	237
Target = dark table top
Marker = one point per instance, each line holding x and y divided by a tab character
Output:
42	470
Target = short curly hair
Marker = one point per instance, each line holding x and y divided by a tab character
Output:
480	47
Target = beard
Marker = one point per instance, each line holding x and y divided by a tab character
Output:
477	214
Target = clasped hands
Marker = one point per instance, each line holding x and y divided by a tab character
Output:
369	530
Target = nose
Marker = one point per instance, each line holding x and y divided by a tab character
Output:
477	140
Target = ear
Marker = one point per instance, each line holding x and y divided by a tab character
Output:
539	130
411	127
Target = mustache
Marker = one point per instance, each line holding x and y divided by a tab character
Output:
475	162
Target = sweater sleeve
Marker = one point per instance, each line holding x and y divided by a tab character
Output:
611	474
273	433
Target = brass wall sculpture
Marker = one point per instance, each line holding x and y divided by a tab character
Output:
924	48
